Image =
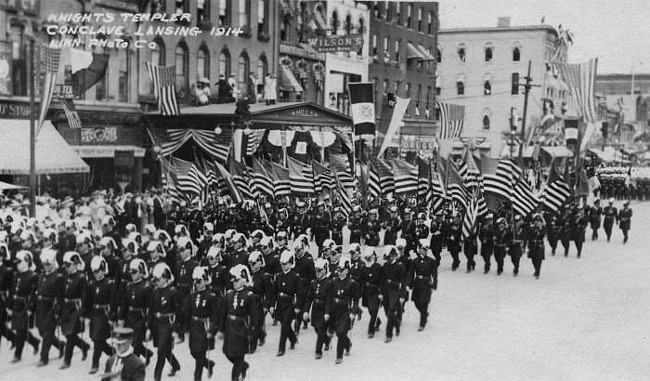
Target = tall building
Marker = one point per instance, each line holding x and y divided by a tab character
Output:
403	36
484	68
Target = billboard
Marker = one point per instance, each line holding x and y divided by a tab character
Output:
347	43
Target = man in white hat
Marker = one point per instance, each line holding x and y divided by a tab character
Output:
316	299
25	283
165	312
343	306
76	284
288	289
135	303
49	297
423	278
201	315
101	309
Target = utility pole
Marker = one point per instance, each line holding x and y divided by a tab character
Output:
32	132
527	87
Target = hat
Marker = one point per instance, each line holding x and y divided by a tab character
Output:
48	257
73	258
611	200
287	257
214	253
501	220
185	243
230	233
344	263
106	241
204	80
209	226
162	235
140	266
148	228
626	202
322	264
400	242
391	250
162	270
26	256
131	245
98	263
180	228
256	256
132	228
258	234
424	243
108	220
355	247
201	273
329	244
241	272
121	335
266	241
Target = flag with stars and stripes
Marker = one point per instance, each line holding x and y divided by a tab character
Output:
262	179
51	65
581	79
241	179
341	165
71	113
164	80
452	120
323	177
301	177
281	181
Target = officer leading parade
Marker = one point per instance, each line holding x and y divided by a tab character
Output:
282	189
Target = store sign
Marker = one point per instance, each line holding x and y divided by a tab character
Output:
99	134
348	43
5	68
28	7
15	110
124	167
300	52
418	143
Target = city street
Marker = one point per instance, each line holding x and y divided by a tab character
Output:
584	319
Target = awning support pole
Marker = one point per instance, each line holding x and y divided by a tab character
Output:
32	132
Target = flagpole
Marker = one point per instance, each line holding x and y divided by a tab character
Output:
32	131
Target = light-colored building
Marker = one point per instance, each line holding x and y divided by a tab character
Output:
484	69
345	17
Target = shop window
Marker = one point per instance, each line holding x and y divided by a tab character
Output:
514	88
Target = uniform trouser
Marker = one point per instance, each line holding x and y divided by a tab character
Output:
164	353
342	343
625	237
470	261
100	346
579	246
553	244
321	338
486	253
200	361
537	264
608	229
515	262
454	251
594	234
286	332
71	342
49	339
424	313
372	323
238	365
9	335
499	257
21	336
567	244
394	317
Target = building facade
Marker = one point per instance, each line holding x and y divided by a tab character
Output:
484	70
615	90
402	39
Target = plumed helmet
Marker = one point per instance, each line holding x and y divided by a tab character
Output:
218	238
390	250
611	200
84	238
16	228
48	257
230	233
73	258
156	247
345	263
4	251
140	266
162	235
27	235
322	264
108	220
281	235
502	220
209	226
424	243
329	244
266	241
258	234
98	263
51	234
130	228
287	257
162	270
240	272
149	229
298	245
256	256
26	256
108	242
355	247
214	253
185	243
131	245
370	257
304	239
180	229
400	242
201	272
135	236
421	216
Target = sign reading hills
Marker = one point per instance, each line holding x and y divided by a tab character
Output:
348	43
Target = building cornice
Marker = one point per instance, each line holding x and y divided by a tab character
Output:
529	28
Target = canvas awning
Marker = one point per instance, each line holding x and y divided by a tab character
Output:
559	151
320	21
289	81
97	152
53	154
413	53
7	186
425	53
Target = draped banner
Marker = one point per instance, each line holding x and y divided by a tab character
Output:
172	140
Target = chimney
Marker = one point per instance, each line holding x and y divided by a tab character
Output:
503	22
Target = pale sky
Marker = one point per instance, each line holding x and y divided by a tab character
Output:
615	31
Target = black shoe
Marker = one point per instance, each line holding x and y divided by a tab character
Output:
279	354
421	328
499	272
243	372
36	348
173	372
347	350
210	368
388	339
41	363
292	346
65	365
93	370
378	324
61	349
371	335
13	345
397	331
15	360
486	271
318	356
148	356
327	345
84	353
338	361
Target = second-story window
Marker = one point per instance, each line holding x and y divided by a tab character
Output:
397	49
335	23
182	72
348	24
373	46
285	27
262	17
419	19
224	13
203	63
18	63
460	87
489	51
244	13
487	87
409	16
514	86
516	54
462	53
202	11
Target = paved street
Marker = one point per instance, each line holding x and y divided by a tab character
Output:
584	319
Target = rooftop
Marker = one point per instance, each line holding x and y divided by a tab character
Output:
501	29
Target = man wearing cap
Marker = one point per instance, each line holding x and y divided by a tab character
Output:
454	240
134	303
578	228
24	289
316	299
625	218
75	289
486	236
502	239
164	318
370	283
336	227
372	228
321	224
100	308
342	306
124	365
49	299
288	289
393	291
552	232
536	243
595	213
392	225
302	221
423	278
611	218
408	230
517	244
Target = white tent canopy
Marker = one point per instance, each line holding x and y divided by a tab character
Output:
53	154
7	186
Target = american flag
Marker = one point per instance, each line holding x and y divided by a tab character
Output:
406	176
71	113
581	80
374	184
452	120
344	196
456	187
509	183
424	179
52	58
262	179
193	182
469	222
253	141
341	165
323	177
222	143
230	184
241	179
281	182
164	80
301	177
556	194
437	194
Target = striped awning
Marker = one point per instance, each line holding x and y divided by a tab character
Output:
288	82
559	151
413	53
425	53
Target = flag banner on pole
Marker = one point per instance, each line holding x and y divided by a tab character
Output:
386	178
165	87
362	107
406	176
51	65
437	192
281	181
424	179
374	184
71	113
241	179
524	200
301	177
473	174
262	180
152	71
556	195
500	183
452	120
323	178
193	182
456	187
344	196
390	122
469	222
341	165
230	184
171	140
581	80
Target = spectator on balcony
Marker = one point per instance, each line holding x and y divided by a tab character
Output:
224	90
270	89
202	91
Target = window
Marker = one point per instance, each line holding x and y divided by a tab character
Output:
244	13
101	88
487	87
488	53
262	69
385	86
302	23
407	94
362	26
486	122
418	99
18	66
262	19
397	47
398	13
224	63
123	86
516	54
462	53
419	19
203	63
335	22
430	23
224	13
386	50
375	83
389	11
438	86
409	16
429	101
242	71
202	11
348	24
285	27
514	87
460	88
438	55
181	6
376	13
373	46
182	75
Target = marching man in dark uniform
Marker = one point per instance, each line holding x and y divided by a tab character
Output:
101	308
134	304
566	231
454	240
625	219
239	316
23	293
392	291
184	267
164	318
75	292
343	305
338	222
125	365
356	225
202	312
408	230
517	244
304	267
392	226
595	213
321	224
370	290
422	279
288	288
579	226
49	298
611	217
501	243
371	231
552	233
262	288
437	238
6	282
316	300
536	243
